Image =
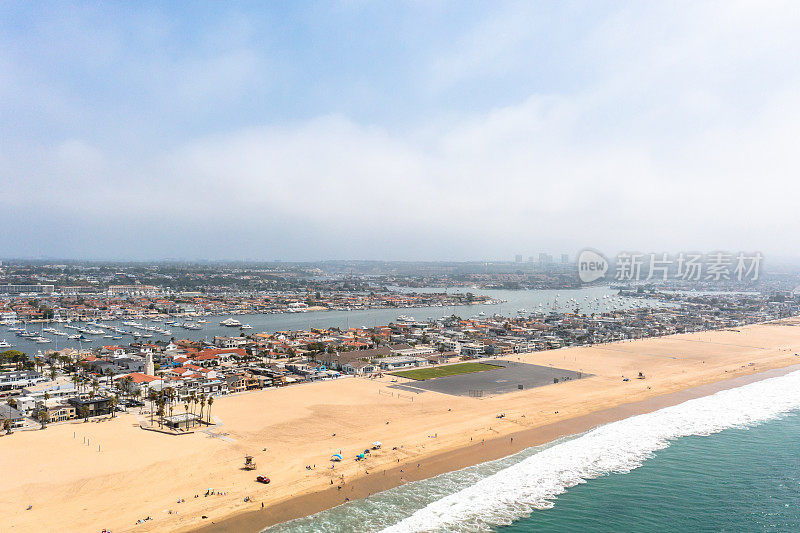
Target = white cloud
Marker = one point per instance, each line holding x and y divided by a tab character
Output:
683	138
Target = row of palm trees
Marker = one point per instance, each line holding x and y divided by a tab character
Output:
165	401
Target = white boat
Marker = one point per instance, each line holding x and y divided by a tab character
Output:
231	323
4	344
41	340
245	326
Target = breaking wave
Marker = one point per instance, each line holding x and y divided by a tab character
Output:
619	447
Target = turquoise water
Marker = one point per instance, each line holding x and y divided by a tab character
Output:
725	462
736	480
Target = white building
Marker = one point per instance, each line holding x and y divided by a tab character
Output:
19	379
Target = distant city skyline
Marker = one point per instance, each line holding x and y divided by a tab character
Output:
421	131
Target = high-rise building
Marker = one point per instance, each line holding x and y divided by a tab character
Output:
564	259
518	258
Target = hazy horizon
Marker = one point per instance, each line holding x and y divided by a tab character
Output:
394	131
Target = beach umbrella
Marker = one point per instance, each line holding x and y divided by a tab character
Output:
336	457
377	444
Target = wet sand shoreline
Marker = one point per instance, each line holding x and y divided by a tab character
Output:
380	480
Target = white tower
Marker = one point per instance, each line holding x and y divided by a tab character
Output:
149	368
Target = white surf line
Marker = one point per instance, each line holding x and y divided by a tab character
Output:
617	447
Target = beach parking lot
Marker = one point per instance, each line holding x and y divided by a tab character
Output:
507	377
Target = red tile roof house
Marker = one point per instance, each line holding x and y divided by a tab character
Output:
140	381
214	357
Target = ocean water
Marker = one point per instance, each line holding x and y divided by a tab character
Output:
725	462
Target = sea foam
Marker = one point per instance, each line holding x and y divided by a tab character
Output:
618	447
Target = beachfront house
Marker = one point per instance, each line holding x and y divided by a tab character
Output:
58	410
359	368
236	383
10	413
96	406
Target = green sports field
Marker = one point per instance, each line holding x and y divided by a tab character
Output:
421	374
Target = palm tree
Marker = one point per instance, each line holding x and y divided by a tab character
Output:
113	405
52	371
7	426
151	397
160	403
186	406
44	417
95	386
210	402
170	394
202	406
84	412
194	400
128	383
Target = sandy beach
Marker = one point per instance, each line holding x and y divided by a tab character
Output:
71	486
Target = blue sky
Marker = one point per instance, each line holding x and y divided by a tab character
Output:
408	130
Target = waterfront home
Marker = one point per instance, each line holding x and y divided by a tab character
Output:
96	406
359	368
230	342
10	413
236	383
115	351
58	410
